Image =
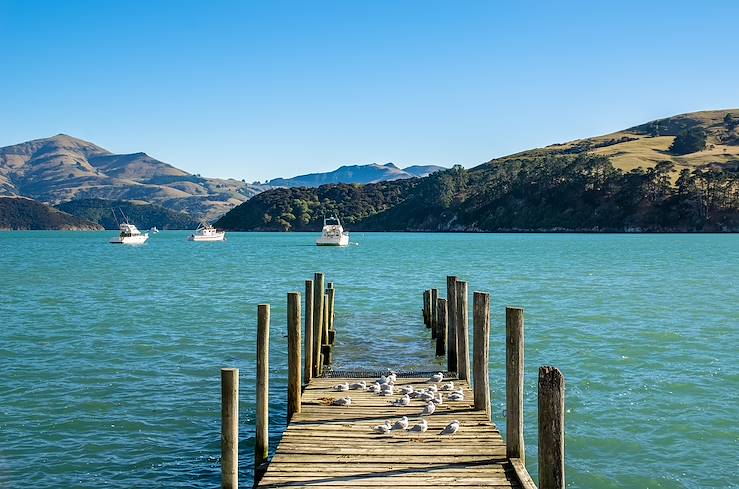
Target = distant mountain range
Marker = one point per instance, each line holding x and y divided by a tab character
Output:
357	174
63	168
675	174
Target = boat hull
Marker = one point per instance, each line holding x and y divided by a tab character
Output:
215	237
342	241
130	240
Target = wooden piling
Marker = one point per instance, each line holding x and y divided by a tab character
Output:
261	443
330	295
451	348
434	304
308	374
441	317
318	279
426	308
551	428
326	348
463	332
514	364
481	370
293	354
229	428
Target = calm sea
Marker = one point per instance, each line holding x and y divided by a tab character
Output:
110	355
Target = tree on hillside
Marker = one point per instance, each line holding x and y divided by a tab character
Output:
689	141
729	122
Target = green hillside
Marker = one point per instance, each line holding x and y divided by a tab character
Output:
19	213
141	214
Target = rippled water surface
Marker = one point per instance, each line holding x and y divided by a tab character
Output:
110	355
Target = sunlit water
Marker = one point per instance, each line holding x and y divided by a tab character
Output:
110	355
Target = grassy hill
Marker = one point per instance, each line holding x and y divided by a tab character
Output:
143	215
20	213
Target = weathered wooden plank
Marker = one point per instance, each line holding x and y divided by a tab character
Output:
522	474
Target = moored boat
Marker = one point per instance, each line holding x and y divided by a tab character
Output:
130	235
333	233
206	232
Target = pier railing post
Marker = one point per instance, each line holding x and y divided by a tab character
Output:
229	428
451	348
481	371
426	308
318	279
325	345
551	428
433	311
261	443
293	354
330	298
514	364
308	331
463	332
441	316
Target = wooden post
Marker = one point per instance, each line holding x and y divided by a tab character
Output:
463	332
317	322
433	310
293	354
325	346
229	428
426	308
441	317
551	428
308	331
514	386
261	443
330	294
451	348
481	305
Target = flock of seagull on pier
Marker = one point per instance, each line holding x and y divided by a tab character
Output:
432	396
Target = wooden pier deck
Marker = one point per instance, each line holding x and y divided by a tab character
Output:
326	445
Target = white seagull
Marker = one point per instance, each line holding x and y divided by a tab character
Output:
401	424
343	401
403	401
358	385
406	389
449	386
420	427
386	390
374	388
437	377
342	387
456	396
425	396
451	428
428	409
432	388
382	428
438	400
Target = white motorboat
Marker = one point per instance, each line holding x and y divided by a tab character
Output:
153	230
206	232
130	235
333	233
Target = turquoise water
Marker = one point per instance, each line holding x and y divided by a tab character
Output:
110	355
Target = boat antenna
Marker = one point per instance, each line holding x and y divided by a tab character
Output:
125	218
115	217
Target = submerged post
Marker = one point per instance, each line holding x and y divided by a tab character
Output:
293	354
451	341
317	322
551	428
261	443
514	366
229	428
433	311
463	332
481	370
308	374
441	317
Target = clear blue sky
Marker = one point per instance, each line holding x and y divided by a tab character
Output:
259	90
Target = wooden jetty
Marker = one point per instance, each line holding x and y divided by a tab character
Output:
326	444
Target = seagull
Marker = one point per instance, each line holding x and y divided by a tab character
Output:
374	388
455	396
425	396
420	427
383	380
451	428
414	394
343	401
447	387
359	385
401	424
382	428
403	401
428	409
392	377
437	377
432	388
406	389
386	390
438	400
342	387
